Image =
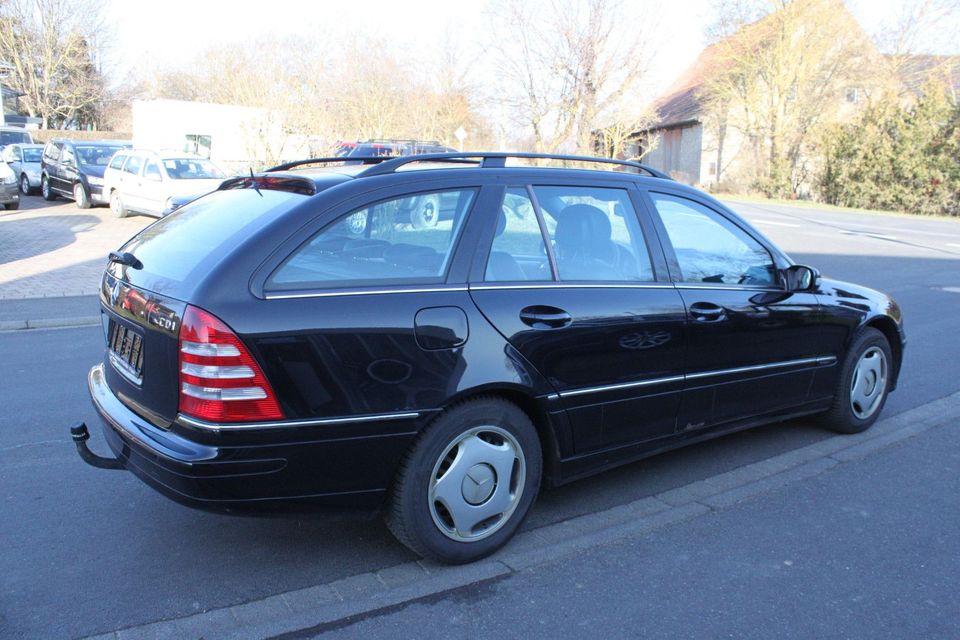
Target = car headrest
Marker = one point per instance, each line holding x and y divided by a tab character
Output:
583	227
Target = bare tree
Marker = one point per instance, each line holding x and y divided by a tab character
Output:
776	80
50	44
568	67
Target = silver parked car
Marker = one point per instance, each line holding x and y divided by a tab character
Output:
151	182
9	195
24	159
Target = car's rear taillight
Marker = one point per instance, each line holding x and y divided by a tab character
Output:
219	379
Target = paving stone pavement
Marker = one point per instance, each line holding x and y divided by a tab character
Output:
50	249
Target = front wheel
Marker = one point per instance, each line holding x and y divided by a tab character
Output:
80	196
468	482
46	191
116	205
25	185
425	212
864	384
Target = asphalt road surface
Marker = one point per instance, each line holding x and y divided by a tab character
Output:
86	551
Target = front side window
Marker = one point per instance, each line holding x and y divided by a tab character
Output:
67	156
405	240
710	248
133	165
96	155
152	171
117	161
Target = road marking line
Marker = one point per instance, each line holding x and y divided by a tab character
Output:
776	224
869	234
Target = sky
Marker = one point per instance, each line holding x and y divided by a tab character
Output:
173	32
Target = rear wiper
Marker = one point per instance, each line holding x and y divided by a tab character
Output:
125	258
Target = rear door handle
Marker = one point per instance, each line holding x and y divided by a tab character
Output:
545	317
707	312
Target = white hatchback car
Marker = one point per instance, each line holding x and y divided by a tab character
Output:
143	181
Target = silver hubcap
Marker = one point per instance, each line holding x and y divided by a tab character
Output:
869	383
476	484
24	184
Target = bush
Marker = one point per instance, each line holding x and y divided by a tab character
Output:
896	157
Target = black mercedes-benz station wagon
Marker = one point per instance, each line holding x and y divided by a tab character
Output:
294	339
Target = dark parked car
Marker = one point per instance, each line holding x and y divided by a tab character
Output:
74	168
389	147
260	354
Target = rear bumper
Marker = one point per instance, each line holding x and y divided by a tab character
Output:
248	476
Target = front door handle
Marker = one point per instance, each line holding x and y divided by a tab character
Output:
707	312
545	317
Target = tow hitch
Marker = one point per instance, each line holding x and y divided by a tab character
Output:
78	430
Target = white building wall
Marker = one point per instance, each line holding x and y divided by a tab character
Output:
240	136
678	153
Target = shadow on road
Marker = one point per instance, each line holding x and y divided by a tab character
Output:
34	236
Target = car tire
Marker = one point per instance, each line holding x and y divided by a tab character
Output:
48	194
11	206
864	384
116	205
80	196
452	500
25	185
425	212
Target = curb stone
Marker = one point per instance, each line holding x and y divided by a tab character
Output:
48	323
312	608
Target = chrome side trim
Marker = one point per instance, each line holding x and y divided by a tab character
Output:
357	292
755	367
819	361
219	426
729	287
625	385
567	285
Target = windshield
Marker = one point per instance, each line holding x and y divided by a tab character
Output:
32	154
98	155
14	137
192	169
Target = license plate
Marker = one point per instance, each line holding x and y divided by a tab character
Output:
126	351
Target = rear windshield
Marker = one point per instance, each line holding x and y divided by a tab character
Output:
14	137
178	250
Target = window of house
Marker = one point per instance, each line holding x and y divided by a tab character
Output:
198	144
853	95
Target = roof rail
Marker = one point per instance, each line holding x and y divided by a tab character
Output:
343	159
498	160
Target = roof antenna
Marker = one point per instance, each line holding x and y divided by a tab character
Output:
253	183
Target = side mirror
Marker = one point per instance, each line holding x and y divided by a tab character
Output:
800	277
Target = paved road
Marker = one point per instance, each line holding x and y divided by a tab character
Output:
50	249
87	551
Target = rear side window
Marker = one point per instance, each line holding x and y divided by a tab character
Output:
594	235
405	240
117	161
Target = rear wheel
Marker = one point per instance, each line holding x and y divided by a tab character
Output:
80	196
116	205
468	482
863	386
46	191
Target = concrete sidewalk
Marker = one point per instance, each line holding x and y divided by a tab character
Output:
45	313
